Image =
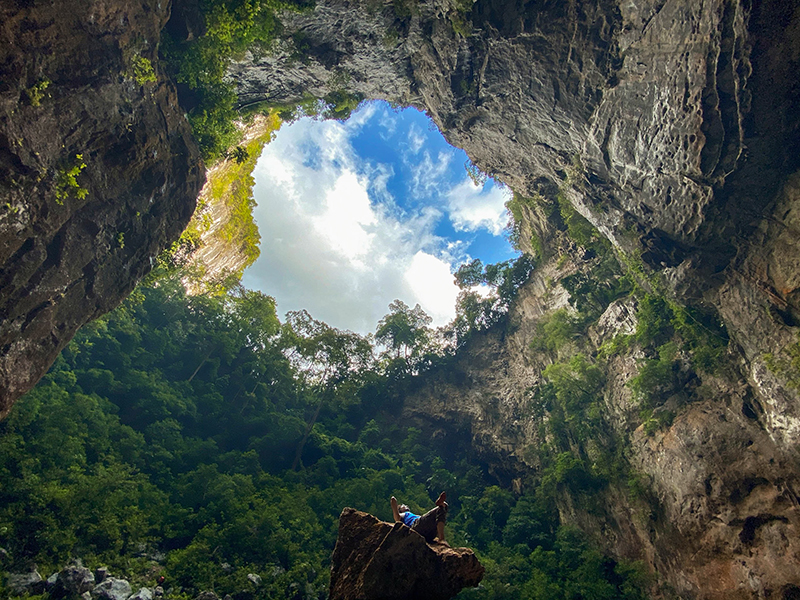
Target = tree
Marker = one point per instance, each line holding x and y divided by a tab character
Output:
327	355
404	329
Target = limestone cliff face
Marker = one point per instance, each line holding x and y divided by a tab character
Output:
75	89
672	126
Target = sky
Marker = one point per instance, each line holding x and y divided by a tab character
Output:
356	214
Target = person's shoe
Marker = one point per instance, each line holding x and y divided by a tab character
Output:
441	500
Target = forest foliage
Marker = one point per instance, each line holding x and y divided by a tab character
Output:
204	431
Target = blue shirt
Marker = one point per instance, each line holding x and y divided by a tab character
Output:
409	518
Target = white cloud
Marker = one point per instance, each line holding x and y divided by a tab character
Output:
415	140
333	240
432	283
472	208
428	173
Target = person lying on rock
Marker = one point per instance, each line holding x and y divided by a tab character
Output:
430	525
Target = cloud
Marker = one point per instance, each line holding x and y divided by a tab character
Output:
415	139
333	240
431	282
472	208
428	174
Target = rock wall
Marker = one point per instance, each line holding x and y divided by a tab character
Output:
74	240
672	126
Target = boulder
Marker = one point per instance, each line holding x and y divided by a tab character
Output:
26	583
51	581
100	574
143	594
112	588
376	560
73	580
208	595
254	579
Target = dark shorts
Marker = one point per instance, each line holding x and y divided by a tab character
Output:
426	524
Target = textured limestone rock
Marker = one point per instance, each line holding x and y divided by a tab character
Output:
67	255
375	560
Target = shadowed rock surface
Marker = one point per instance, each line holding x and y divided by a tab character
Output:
70	252
374	560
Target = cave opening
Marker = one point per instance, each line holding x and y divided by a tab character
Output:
354	214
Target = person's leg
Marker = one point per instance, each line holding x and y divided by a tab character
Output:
431	524
395	511
426	525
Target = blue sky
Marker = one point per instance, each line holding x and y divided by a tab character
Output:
355	214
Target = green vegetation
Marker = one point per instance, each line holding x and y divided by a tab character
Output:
477	312
404	9
405	332
459	18
232	27
141	70
204	428
37	92
668	330
67	181
787	365
557	330
581	454
514	227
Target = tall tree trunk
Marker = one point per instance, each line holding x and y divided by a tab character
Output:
310	426
201	364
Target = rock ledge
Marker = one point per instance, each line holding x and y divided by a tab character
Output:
374	560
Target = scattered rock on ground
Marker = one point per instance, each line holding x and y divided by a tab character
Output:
207	596
100	574
254	579
26	583
143	594
73	580
112	588
51	582
376	560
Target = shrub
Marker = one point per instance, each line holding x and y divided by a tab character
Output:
67	181
141	70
